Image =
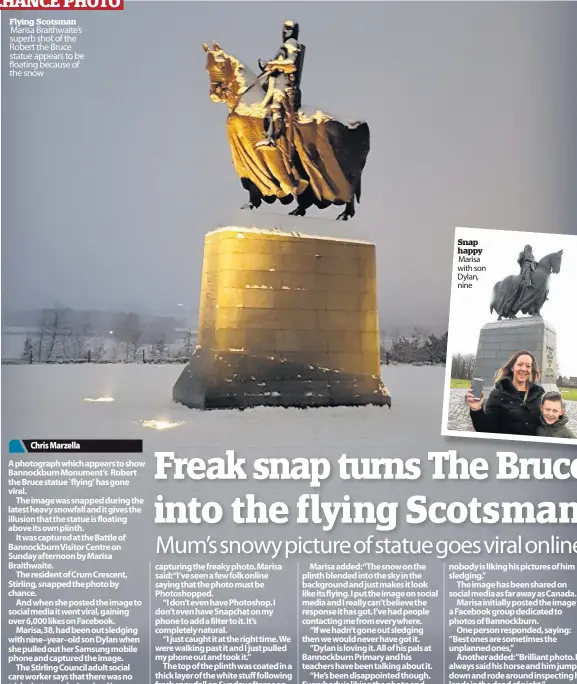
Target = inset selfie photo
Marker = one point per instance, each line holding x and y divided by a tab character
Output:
512	344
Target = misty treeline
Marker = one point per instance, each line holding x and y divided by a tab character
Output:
419	348
65	335
462	366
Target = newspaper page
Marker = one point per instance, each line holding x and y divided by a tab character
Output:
289	377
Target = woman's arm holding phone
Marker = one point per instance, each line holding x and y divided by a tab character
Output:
485	419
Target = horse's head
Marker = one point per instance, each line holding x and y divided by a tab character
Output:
225	73
555	261
552	262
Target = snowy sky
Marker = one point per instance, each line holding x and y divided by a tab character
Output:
470	307
114	172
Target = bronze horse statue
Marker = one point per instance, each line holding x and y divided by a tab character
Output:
510	296
321	167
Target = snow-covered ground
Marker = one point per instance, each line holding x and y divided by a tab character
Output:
47	401
50	400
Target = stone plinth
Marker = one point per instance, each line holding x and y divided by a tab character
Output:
286	319
499	340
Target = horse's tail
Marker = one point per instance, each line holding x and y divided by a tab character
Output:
493	298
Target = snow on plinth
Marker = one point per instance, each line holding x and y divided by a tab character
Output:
248	221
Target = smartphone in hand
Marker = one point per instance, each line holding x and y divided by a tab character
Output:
477	388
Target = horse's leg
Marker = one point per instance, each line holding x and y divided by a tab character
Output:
541	285
304	201
349	211
544	298
299	211
538	306
254	194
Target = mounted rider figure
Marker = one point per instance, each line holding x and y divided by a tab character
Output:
283	96
528	264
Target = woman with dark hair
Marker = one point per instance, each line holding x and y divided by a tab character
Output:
514	406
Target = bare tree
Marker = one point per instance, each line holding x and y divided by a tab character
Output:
128	331
78	338
52	332
114	352
41	336
97	349
462	366
159	348
188	343
28	351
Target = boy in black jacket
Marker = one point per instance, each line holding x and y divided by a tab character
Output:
553	421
